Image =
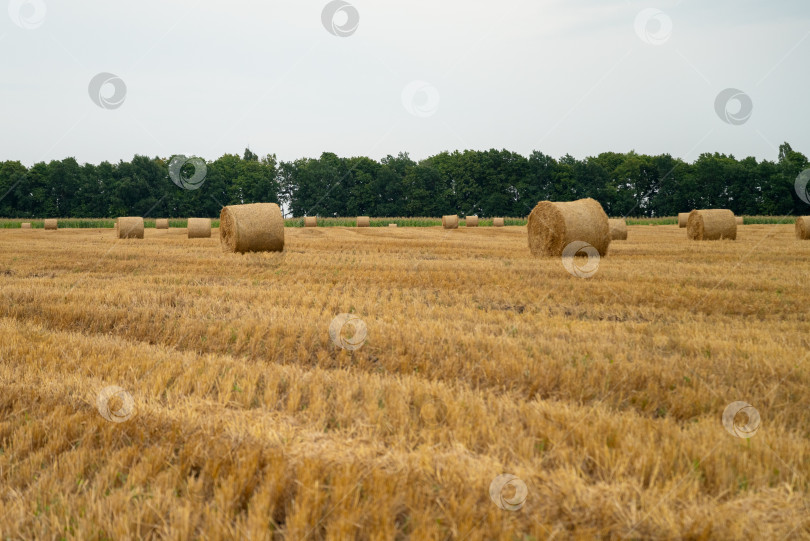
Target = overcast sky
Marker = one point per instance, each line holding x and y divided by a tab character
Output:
421	76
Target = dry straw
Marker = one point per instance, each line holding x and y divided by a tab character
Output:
553	226
472	221
50	224
392	225
310	221
162	223
740	220
803	227
497	222
258	227
25	225
618	229
683	217
711	224
363	221
450	221
130	227
199	228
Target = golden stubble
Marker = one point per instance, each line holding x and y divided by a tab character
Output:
603	395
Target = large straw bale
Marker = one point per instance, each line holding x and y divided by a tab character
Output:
199	228
310	221
130	227
553	226
683	217
257	227
471	221
51	224
162	223
497	222
25	225
711	224
450	221
363	221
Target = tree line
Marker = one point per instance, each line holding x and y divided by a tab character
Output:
485	183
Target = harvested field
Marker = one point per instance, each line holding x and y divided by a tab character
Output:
604	396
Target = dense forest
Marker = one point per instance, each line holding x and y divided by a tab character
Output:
486	183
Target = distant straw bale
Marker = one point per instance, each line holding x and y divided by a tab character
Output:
130	227
618	229
199	228
711	224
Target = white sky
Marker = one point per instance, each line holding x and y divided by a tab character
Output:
561	76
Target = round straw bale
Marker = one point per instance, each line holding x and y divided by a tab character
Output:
310	221
683	217
450	221
472	221
618	229
130	227
25	225
162	223
803	227
740	220
363	221
199	228
50	224
392	225
497	222
257	227
711	224
553	226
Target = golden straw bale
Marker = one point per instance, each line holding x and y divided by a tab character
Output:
199	228
257	227
803	227
310	221
450	221
162	223
553	226
618	229
497	222
472	221
51	224
363	221
711	224
130	227
683	217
